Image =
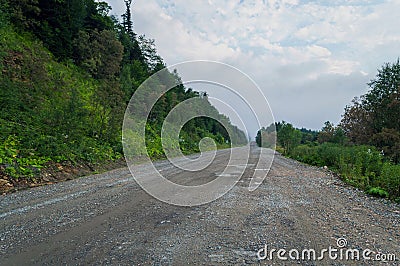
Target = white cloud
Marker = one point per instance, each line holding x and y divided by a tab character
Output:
286	46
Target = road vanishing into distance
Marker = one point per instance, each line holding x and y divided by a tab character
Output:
108	219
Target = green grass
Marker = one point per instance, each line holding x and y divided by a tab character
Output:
361	166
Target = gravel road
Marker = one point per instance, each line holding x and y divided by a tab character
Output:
109	219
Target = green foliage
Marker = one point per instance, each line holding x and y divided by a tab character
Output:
9	150
53	110
308	136
378	192
3	14
307	154
373	119
15	165
383	98
288	137
266	137
361	166
99	53
284	136
330	133
68	72
149	52
389	141
127	21
390	179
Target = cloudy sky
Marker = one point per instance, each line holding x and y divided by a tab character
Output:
309	57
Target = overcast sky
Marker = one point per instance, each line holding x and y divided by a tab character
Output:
310	58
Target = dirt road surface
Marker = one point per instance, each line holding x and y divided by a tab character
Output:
108	219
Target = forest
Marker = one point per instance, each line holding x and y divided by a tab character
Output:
68	70
364	148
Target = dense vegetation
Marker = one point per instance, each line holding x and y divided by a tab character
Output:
68	70
364	148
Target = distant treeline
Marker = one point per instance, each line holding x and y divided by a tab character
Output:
68	70
364	148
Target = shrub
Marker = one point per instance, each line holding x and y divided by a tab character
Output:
378	192
307	154
15	164
329	154
360	166
390	179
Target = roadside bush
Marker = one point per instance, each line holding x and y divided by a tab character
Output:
330	154
307	154
365	166
361	166
390	179
15	164
378	192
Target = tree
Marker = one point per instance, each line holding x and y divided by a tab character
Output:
97	16
109	110
378	109
356	122
327	133
127	37
58	24
23	13
100	53
127	20
308	135
288	137
389	142
68	72
383	100
330	133
266	137
149	51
